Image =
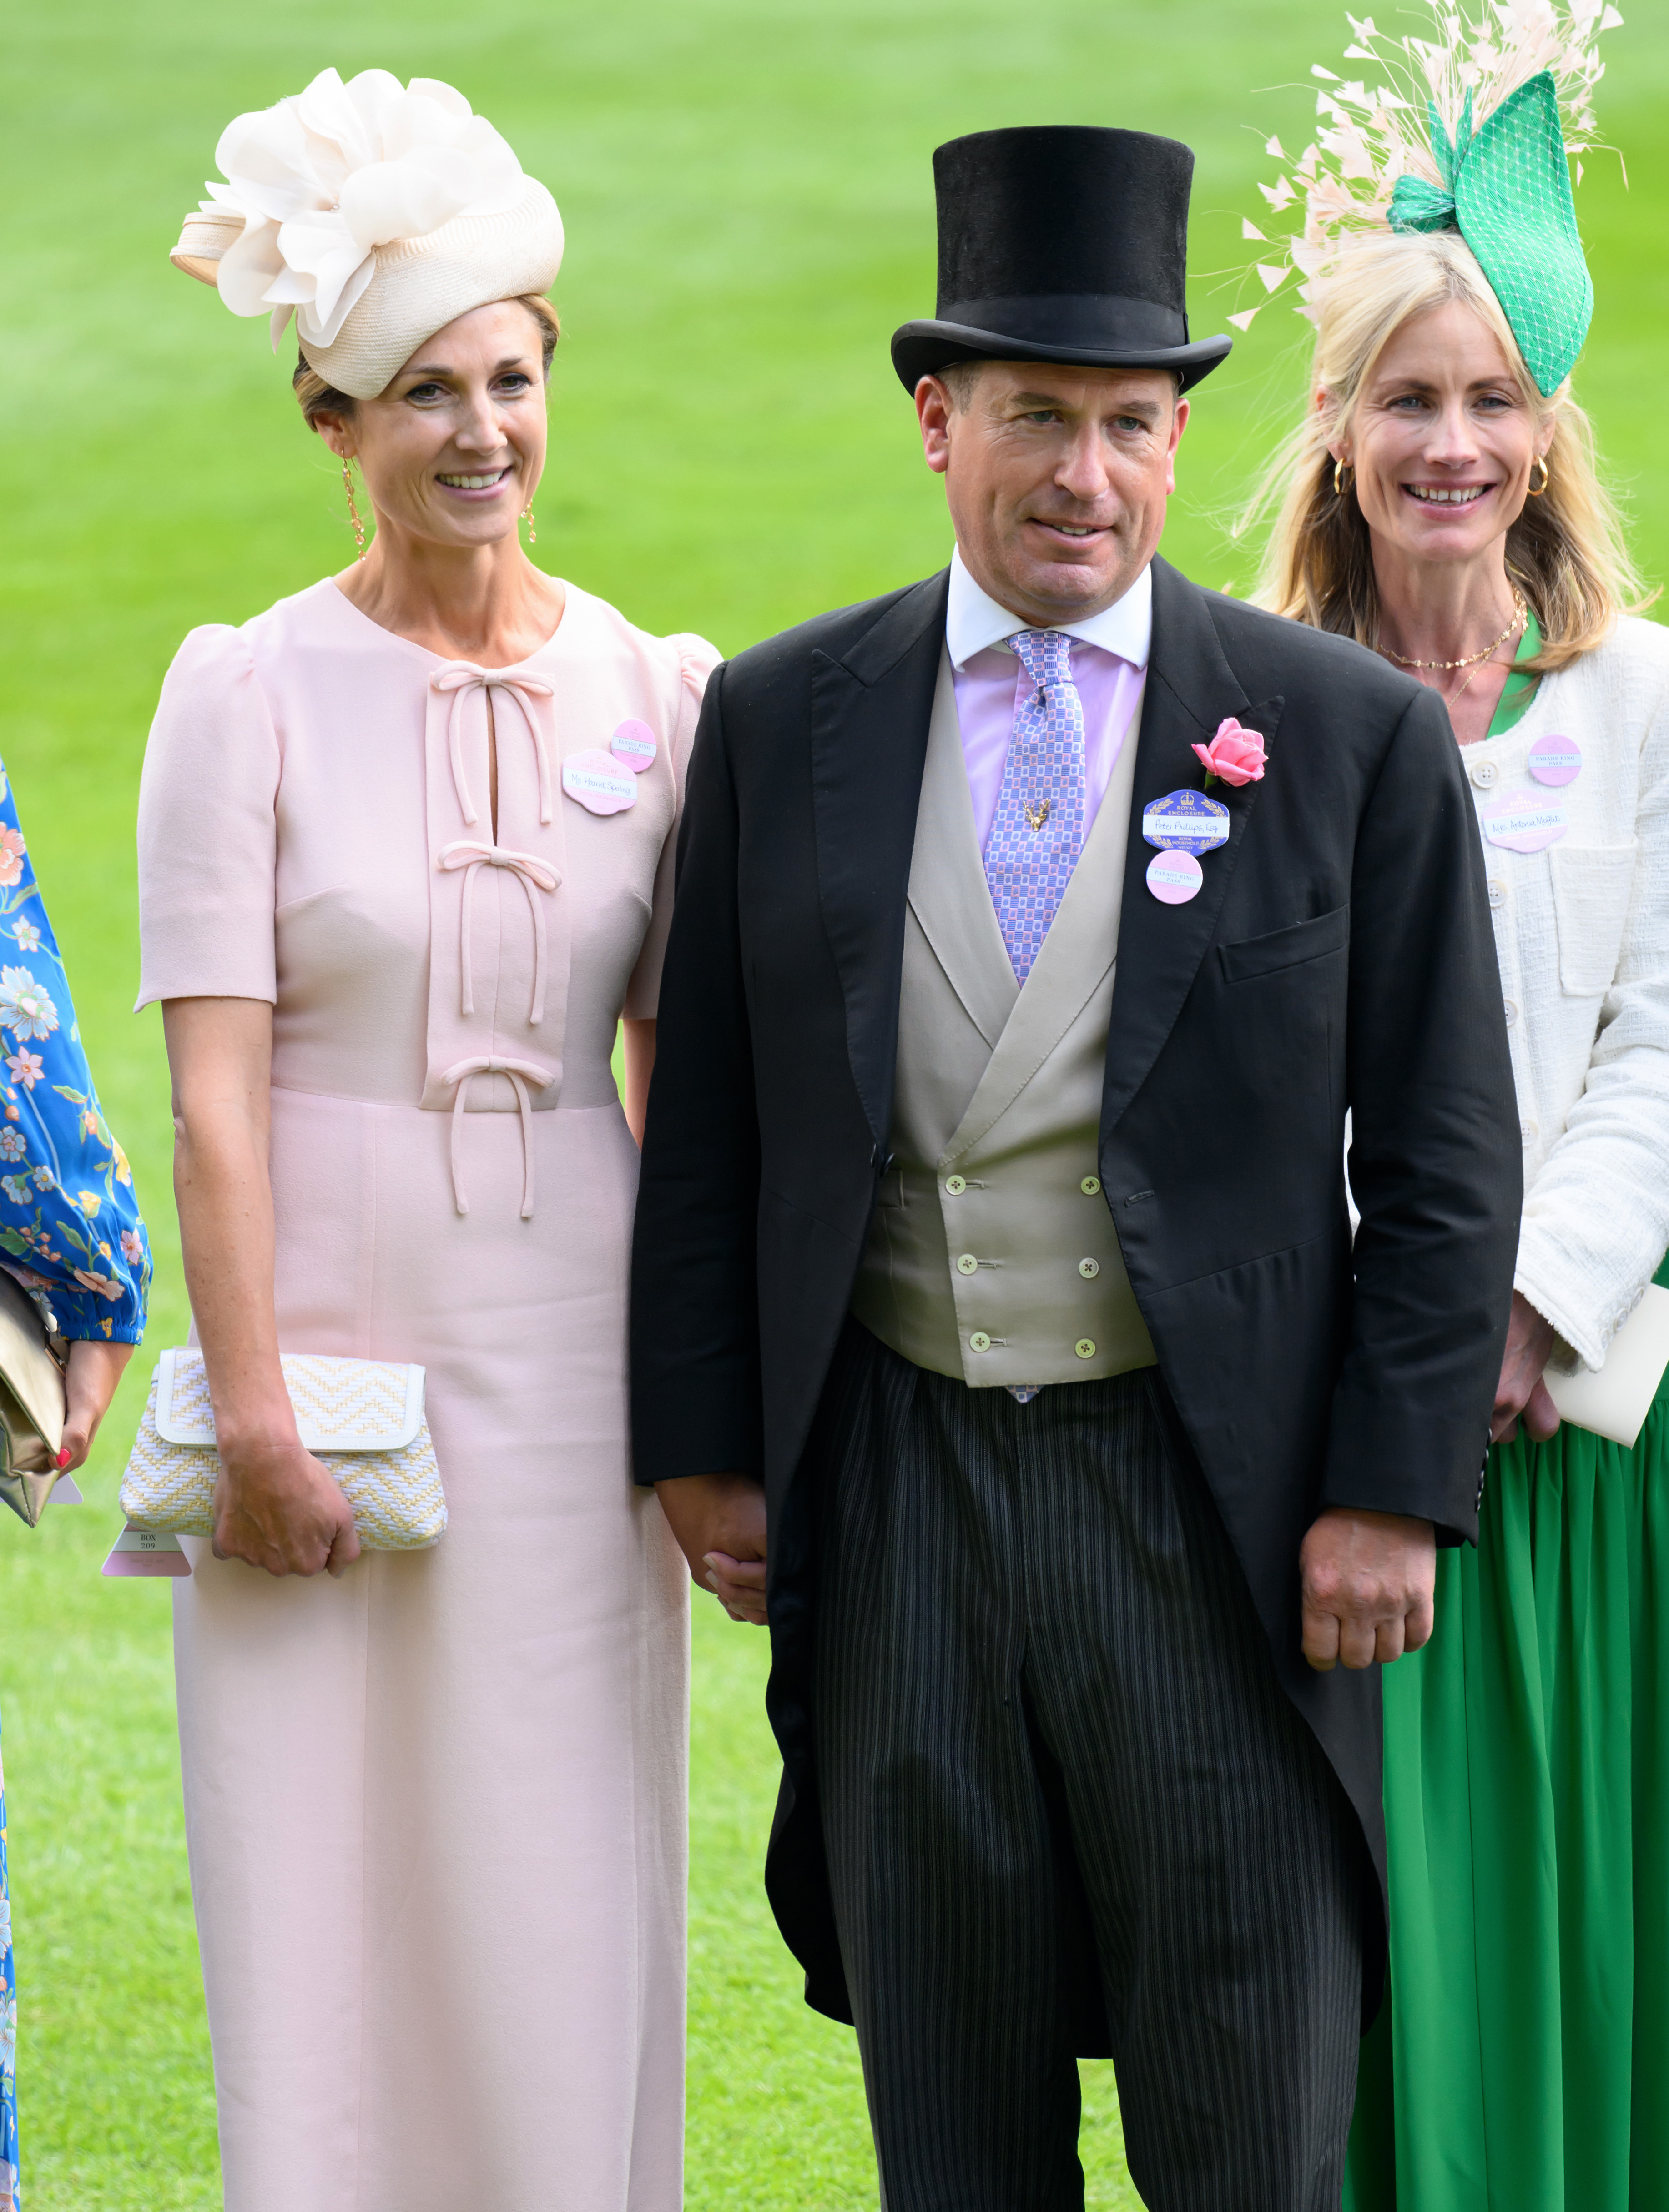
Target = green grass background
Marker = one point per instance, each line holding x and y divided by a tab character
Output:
747	194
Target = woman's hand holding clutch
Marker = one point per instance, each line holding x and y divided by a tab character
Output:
1521	1393
278	1507
89	1384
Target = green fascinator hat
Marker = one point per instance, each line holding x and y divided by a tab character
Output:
1485	153
1506	188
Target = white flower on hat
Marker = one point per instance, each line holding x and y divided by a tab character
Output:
325	176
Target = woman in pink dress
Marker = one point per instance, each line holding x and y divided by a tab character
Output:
406	848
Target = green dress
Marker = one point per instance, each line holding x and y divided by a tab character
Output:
1521	2063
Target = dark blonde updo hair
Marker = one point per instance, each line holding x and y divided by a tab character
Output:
316	398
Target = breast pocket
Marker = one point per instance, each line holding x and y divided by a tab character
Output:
1286	948
1590	885
1279	1027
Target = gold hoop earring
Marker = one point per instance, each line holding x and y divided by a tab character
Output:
527	517
1535	490
1342	470
354	522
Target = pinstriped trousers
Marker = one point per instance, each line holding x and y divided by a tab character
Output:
1058	1774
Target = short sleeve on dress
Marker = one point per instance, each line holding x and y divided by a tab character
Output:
696	660
207	830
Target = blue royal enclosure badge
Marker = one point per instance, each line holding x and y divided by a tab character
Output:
1187	819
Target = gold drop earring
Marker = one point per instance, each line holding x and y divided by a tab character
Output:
527	517
355	523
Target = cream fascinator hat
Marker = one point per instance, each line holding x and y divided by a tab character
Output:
1473	133
374	213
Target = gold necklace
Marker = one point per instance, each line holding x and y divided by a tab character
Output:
1520	610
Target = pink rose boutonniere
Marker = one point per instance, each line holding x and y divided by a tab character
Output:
1236	755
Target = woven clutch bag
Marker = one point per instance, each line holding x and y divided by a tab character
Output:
362	1417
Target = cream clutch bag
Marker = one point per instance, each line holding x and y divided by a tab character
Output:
31	1405
362	1417
1615	1400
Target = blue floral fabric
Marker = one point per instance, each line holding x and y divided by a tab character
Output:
70	1225
69	1232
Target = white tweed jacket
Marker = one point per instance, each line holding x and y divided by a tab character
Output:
1582	935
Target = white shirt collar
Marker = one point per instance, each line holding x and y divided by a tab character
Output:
974	622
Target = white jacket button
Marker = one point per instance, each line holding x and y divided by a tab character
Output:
1485	774
1510	1011
1497	892
1527	1132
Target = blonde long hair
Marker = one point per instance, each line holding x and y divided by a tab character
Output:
1566	552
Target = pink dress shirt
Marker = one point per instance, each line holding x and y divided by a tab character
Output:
1109	666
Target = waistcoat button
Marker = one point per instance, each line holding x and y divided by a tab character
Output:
979	1341
966	1264
1090	1269
1091	1185
956	1185
1084	1347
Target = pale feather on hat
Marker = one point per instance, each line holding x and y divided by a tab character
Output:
374	213
1368	135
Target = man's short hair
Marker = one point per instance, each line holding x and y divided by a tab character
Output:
959	379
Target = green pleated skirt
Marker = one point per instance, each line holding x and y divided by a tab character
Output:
1522	2062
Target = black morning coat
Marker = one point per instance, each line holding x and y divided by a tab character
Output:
1338	957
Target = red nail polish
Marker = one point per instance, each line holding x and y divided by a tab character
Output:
63	1459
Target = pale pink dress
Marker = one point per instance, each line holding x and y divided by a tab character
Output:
436	1810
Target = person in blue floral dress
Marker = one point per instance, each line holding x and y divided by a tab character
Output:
71	1233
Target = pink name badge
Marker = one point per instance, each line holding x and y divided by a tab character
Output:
634	744
1523	821
1555	760
597	780
1174	877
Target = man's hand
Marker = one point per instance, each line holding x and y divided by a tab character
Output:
1521	1390
719	1520
1369	1580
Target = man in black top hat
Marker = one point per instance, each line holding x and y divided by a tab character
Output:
1036	927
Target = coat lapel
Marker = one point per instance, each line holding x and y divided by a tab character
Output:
870	713
1190	688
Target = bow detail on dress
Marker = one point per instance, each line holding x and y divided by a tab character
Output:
471	854
482	1033
521	1072
462	678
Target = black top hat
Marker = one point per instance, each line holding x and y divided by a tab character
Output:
1062	243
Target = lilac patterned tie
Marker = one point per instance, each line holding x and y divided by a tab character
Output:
1038	826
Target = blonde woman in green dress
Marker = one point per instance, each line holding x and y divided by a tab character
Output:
1440	504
